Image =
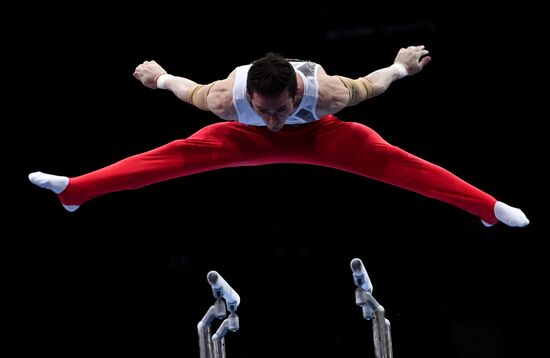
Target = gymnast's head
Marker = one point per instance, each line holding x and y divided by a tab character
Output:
272	88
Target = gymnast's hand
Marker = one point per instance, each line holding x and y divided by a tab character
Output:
413	58
148	72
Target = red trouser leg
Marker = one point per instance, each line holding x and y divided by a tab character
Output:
221	145
329	142
358	149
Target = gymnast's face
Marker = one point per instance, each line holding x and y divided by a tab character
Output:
274	110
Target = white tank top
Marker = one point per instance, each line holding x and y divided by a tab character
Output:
304	113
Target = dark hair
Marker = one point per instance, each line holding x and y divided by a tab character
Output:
271	75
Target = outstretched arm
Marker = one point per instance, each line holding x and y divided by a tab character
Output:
408	61
152	75
339	91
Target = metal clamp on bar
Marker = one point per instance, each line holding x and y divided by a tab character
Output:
213	346
372	310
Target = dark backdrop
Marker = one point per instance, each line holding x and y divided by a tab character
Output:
125	275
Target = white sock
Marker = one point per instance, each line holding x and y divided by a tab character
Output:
509	215
55	183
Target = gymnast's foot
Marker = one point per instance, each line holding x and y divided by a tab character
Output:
509	215
55	183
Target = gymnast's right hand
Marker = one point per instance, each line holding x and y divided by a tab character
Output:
148	72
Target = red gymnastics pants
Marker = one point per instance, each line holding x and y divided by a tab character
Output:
329	142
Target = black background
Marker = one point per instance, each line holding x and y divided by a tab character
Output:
125	275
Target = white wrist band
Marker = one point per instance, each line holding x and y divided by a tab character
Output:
401	69
161	79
